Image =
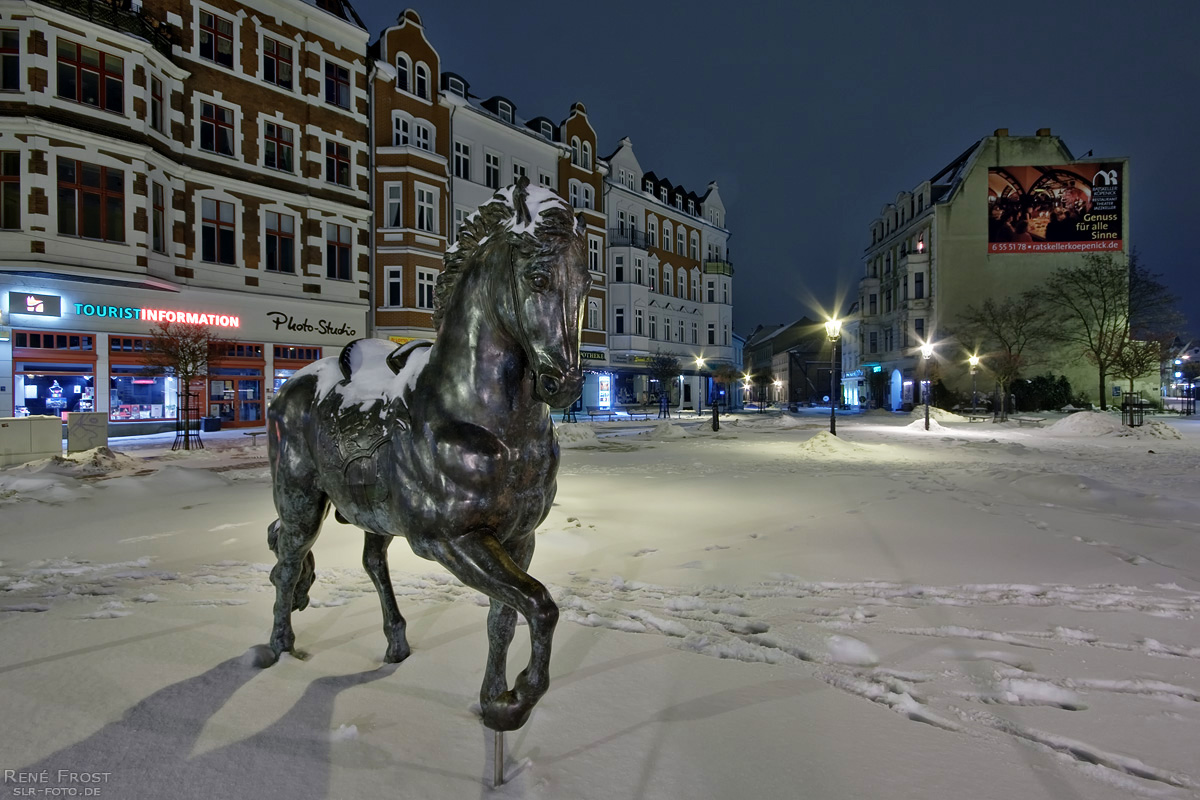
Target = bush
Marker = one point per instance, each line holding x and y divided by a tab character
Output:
1043	393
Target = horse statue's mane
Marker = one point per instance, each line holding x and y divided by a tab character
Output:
528	219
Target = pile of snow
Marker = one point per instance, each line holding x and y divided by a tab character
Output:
667	430
97	461
826	444
16	486
919	424
940	414
1099	423
577	434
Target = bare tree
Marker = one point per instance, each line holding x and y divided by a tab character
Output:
184	351
1007	332
1092	301
727	375
1154	324
665	368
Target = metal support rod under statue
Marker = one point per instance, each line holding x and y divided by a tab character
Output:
498	759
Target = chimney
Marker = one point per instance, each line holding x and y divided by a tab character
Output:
1001	132
1043	132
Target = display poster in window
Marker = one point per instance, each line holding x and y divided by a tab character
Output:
605	399
1056	209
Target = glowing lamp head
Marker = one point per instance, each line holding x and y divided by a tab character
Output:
927	349
974	361
833	328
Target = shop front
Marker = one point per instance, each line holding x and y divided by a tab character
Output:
74	344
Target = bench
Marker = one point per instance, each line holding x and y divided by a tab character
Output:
1022	421
255	434
596	411
643	412
978	417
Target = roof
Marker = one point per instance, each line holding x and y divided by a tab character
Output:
340	9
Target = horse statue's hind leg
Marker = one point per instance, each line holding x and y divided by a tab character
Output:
394	627
291	537
479	560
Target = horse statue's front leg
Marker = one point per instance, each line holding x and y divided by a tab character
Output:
479	560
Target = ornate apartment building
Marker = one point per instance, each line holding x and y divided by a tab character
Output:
670	280
178	161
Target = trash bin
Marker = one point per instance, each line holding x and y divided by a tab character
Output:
210	424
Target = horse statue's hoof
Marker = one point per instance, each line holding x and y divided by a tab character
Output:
506	713
397	652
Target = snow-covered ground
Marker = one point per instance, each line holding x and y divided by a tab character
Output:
976	611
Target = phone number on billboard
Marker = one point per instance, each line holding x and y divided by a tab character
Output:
1052	247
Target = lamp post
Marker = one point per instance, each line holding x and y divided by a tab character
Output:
974	360
700	388
833	329
926	352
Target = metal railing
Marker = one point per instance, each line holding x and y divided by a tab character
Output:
626	238
718	267
118	15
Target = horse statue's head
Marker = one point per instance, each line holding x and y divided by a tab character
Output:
534	250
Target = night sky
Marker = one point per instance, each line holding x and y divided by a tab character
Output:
812	116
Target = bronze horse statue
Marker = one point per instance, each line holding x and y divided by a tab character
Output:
449	445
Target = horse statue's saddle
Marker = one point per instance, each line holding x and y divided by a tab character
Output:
367	408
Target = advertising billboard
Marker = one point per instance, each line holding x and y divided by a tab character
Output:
1057	209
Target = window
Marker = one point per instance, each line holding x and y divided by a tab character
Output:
158	218
680	331
393	193
86	75
587	197
874	340
919	285
10	61
662	193
637	322
456	87
593	314
682	288
277	63
402	73
618	269
426	283
462	160
518	172
460	219
679	202
91	201
544	179
652	233
395	287
337	163
873	306
491	170
337	251
637	270
424	137
695	327
724	292
216	129
691	207
575	150
695	253
653	278
426	216
506	112
216	39
281	242
277	146
619	320
712	294
593	253
653	326
696	285
919	328
681	242
586	150
218	232
574	194
337	85
547	130
666	329
422	81
620	223
712	333
667	243
400	131
156	104
668	280
10	190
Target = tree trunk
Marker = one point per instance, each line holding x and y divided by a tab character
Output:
1103	397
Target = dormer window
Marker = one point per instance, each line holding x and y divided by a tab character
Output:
547	130
649	187
456	87
506	112
692	207
679	202
662	193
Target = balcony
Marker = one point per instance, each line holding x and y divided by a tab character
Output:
119	15
626	238
718	268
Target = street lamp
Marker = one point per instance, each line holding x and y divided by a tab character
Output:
974	360
833	329
926	351
700	387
